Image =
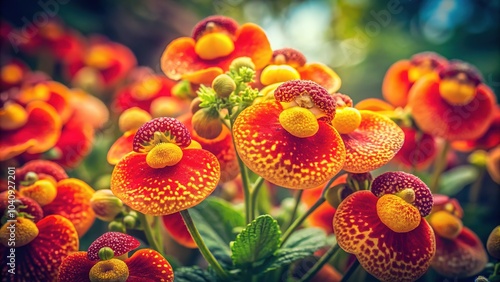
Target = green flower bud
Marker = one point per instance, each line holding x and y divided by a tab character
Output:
493	243
106	205
237	63
335	195
106	253
478	158
207	124
116	226
130	222
30	178
223	85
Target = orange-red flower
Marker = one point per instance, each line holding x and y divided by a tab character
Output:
175	226
290	64
371	140
455	105
107	260
215	42
163	174
46	244
488	140
290	141
404	73
385	227
12	74
459	252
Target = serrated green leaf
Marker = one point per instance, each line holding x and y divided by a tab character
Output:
259	240
216	221
454	180
193	274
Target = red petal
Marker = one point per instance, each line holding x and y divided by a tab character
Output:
281	158
435	116
418	151
147	265
32	207
396	84
43	169
39	134
177	229
321	74
120	243
121	147
166	190
73	202
462	257
373	144
385	254
40	259
75	268
488	140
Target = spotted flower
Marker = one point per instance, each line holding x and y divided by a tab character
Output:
459	252
371	139
385	227
487	141
39	248
290	64
215	42
290	141
107	260
455	105
47	184
163	174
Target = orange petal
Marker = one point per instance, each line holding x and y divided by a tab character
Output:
418	151
40	259
121	147
39	134
373	144
487	141
177	229
387	255
435	116
281	158
148	265
461	257
374	104
204	76
396	84
57	96
321	74
73	202
75	268
88	108
251	41
165	190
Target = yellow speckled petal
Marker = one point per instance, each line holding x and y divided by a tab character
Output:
165	190
281	158
373	144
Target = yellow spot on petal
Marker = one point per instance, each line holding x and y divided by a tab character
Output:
278	73
24	229
43	192
164	154
346	120
397	214
132	119
99	57
299	122
445	224
12	73
12	116
214	45
457	91
109	270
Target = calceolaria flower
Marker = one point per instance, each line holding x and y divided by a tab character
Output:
459	252
215	42
107	260
455	105
164	174
290	141
385	227
371	140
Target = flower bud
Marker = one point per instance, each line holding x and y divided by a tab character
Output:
359	181
106	253
129	221
335	195
223	85
206	124
115	226
106	205
493	243
195	105
240	62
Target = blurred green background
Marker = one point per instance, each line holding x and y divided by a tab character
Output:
360	39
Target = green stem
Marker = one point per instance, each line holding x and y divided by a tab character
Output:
475	189
301	219
350	271
439	167
254	192
320	263
297	198
149	232
201	245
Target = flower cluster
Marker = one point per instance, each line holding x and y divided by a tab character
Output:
249	154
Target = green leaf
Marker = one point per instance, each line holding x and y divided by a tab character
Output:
301	244
454	180
259	240
193	274
216	221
